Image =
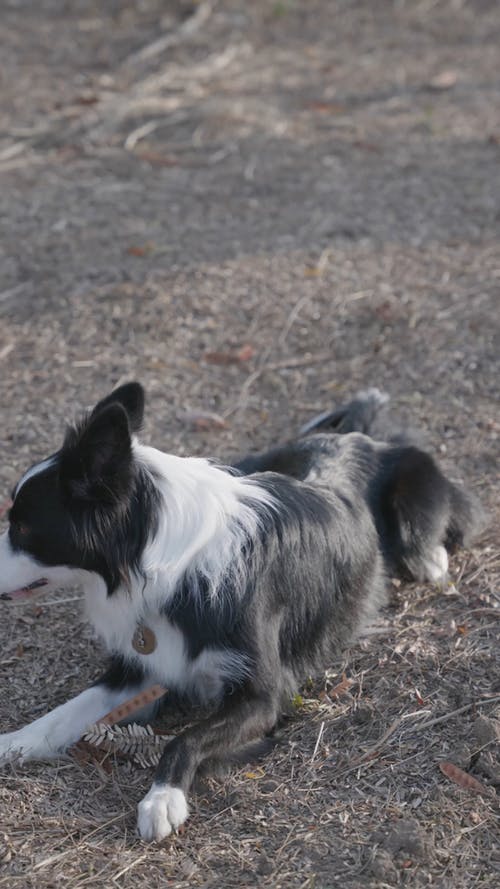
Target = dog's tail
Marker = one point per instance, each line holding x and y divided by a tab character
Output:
357	415
467	518
294	458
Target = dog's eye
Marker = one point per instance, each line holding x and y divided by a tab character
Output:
21	529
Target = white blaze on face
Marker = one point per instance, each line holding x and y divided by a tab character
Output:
22	576
18	571
35	470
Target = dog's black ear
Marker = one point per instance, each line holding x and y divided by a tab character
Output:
96	458
131	398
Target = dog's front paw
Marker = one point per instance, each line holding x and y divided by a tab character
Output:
10	748
162	810
25	744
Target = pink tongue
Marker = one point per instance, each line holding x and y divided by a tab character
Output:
24	592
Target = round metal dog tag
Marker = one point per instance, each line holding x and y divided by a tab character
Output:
144	640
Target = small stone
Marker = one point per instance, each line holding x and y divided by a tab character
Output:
445	80
268	786
407	838
188	867
383	868
362	714
265	865
461	756
485	730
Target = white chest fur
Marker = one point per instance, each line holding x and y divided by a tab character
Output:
116	618
206	516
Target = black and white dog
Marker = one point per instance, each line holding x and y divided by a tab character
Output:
244	580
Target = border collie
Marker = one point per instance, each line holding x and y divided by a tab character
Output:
226	584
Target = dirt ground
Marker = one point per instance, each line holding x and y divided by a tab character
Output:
256	208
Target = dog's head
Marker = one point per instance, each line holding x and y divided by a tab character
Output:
84	509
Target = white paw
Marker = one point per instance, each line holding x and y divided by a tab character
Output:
162	810
436	567
22	750
10	748
373	394
23	745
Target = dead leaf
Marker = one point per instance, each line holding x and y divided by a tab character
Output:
342	687
67	153
259	773
444	80
326	107
246	352
366	146
464	780
85	753
235	356
87	99
156	159
19	650
202	420
82	752
145	250
384	310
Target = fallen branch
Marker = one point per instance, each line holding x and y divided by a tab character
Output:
186	30
460	710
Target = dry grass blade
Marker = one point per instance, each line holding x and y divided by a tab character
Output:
318	741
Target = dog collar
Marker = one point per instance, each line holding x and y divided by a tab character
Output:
144	640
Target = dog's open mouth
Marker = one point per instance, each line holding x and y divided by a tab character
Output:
24	592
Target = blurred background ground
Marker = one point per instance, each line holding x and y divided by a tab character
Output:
255	209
